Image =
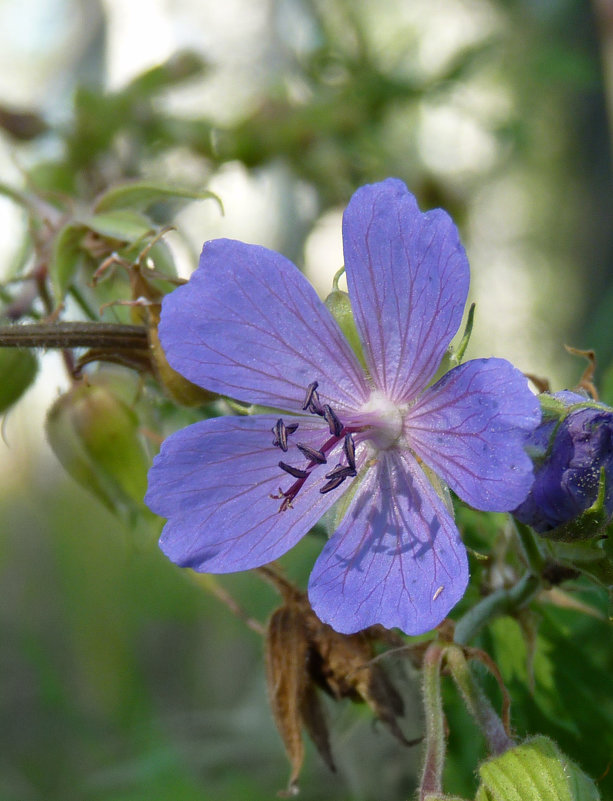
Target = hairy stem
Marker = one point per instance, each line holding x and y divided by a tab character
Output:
432	774
74	335
501	602
477	703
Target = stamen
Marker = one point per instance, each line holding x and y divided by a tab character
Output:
294	471
349	448
342	471
309	395
281	431
332	420
332	484
311	453
280	434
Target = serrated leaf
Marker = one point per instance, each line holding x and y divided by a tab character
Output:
141	195
126	225
535	770
65	258
18	370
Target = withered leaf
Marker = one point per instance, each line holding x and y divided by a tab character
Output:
293	699
344	666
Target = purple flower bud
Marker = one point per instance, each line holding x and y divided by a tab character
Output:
572	451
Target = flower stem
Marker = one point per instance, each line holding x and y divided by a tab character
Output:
211	584
530	547
432	774
74	335
501	602
477	703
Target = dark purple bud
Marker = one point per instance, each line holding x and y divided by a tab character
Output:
572	450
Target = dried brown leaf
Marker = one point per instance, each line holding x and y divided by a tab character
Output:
286	658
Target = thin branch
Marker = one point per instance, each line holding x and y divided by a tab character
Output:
74	335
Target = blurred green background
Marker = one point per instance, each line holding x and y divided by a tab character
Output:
120	678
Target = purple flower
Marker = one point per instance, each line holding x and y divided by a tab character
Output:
240	491
570	452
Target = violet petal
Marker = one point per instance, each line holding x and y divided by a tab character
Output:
408	279
471	428
213	481
249	325
396	558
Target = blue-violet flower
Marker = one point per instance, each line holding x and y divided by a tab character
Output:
570	453
240	491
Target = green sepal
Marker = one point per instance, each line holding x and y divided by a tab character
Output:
140	195
536	770
456	355
339	306
18	370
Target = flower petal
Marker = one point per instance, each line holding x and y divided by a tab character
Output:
471	428
408	279
396	559
249	325
214	479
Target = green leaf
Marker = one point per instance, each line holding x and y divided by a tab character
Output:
18	370
65	258
536	770
125	225
141	195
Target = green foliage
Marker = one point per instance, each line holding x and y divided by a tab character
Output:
18	370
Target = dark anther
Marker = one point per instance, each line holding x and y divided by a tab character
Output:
294	471
332	420
332	484
349	448
280	435
341	471
280	431
311	400
309	395
311	453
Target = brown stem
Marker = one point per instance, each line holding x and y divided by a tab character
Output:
74	335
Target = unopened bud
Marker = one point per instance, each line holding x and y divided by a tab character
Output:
176	386
95	437
536	770
339	306
572	450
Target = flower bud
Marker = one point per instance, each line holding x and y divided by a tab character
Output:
178	388
535	769
339	306
95	437
572	450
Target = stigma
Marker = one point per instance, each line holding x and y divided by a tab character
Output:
383	420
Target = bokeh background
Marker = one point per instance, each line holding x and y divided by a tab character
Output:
120	678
